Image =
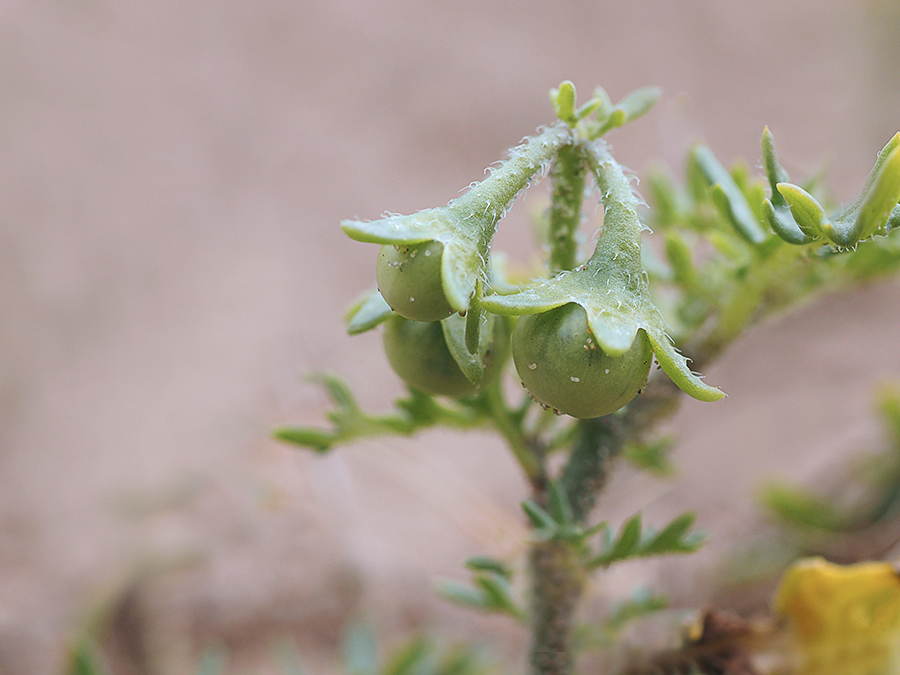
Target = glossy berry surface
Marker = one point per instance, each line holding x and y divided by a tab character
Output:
563	368
409	279
418	353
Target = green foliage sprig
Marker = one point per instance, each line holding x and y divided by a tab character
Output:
730	249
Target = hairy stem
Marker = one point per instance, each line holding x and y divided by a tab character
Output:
557	574
558	580
492	196
567	176
528	459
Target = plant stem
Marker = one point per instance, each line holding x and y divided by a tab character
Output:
585	474
558	576
526	456
491	197
567	176
558	580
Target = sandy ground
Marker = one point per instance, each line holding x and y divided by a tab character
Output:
171	179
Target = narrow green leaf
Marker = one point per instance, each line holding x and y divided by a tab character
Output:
499	593
774	171
463	594
487	564
641	603
560	506
652	456
338	391
415	658
671	538
639	102
889	411
893	221
808	213
726	195
456	335
616	118
366	312
538	516
801	508
676	367
319	440
783	224
883	196
588	108
598	528
84	658
474	319
563	100
628	539
678	253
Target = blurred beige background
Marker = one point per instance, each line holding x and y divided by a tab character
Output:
172	175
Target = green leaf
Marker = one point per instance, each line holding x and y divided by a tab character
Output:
631	542
366	312
622	546
801	508
415	658
641	603
893	221
563	100
889	411
463	594
679	255
882	195
673	538
726	195
538	516
338	391
474	319
560	507
628	539
84	658
783	224
652	457
487	564
499	594
808	213
456	335
675	365
775	209
639	102
319	440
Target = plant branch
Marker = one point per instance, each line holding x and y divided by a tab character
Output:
567	177
504	420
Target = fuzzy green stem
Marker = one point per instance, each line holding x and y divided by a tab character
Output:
512	432
492	196
567	177
621	239
585	473
558	581
557	576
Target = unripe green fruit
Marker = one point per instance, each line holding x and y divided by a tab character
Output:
409	279
419	355
563	368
